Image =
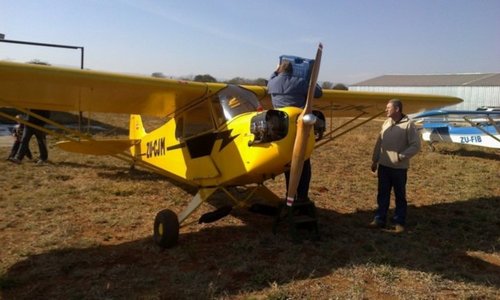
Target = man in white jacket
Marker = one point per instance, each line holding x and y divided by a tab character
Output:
397	142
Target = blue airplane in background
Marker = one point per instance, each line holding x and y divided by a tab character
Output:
479	127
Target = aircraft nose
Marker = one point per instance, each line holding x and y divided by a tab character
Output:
309	119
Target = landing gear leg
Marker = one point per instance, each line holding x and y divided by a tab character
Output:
167	223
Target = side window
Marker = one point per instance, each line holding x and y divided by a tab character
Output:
197	120
233	101
215	111
218	111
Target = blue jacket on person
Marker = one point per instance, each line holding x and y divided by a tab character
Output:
288	90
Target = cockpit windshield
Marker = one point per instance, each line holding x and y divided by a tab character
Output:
233	101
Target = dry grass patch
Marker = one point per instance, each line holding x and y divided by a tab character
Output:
80	227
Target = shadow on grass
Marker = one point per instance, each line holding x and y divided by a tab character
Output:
471	153
126	174
228	260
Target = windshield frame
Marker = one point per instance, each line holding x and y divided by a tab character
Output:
233	101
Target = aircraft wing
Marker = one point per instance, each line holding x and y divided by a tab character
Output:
63	89
353	103
438	113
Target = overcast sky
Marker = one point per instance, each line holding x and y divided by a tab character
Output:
231	38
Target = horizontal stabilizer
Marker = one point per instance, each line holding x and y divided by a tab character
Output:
101	147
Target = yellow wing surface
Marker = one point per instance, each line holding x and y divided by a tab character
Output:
63	89
352	103
100	147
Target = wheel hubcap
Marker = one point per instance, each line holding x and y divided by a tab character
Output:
160	229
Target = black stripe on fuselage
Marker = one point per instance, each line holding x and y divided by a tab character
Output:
202	145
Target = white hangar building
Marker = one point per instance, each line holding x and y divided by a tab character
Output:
477	89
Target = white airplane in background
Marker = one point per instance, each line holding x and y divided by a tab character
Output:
479	127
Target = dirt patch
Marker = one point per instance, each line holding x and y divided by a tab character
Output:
80	227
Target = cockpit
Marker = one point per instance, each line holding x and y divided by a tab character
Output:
222	107
233	101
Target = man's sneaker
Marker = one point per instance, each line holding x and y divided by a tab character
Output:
14	160
41	162
399	228
376	224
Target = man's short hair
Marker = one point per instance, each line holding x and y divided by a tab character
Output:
285	67
397	103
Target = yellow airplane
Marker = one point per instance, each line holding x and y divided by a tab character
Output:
217	136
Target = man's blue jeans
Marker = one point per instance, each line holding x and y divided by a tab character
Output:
389	178
305	179
25	141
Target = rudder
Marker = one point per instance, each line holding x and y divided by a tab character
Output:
136	132
136	128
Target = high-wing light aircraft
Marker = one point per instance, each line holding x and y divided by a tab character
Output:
215	136
479	127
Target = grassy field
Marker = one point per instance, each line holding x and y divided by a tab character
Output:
80	228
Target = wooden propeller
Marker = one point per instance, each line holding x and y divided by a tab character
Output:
305	122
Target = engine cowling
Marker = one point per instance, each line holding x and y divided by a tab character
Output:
269	126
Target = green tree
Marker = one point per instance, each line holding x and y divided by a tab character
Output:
326	85
158	75
205	78
36	61
241	80
260	81
237	80
340	86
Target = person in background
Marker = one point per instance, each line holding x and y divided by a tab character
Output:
288	90
40	137
17	133
397	142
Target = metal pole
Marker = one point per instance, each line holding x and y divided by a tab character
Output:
55	46
81	61
48	45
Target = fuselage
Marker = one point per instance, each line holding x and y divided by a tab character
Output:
214	145
468	135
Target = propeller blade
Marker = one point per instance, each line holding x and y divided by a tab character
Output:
304	124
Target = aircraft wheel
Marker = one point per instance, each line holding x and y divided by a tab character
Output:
166	229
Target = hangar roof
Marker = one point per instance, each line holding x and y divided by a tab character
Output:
473	79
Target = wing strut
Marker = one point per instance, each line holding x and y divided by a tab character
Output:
497	127
347	130
483	130
197	200
48	121
68	134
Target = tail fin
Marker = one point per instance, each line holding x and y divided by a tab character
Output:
136	132
136	128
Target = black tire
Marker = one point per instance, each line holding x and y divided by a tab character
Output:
166	229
